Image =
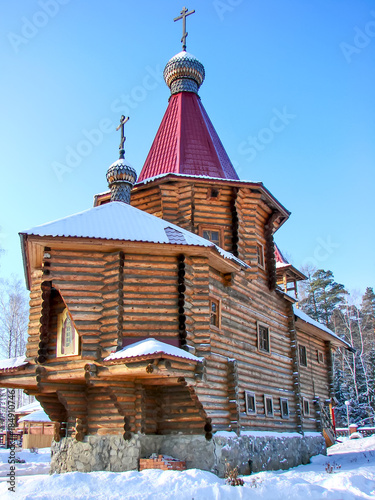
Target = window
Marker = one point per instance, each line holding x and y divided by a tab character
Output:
67	336
213	194
319	356
263	338
306	407
250	400
214	313
260	255
302	355
268	405
284	406
213	236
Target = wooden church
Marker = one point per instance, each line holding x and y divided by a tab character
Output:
167	309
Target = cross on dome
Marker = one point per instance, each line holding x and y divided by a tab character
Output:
123	120
183	16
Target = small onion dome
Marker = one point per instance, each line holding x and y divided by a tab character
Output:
121	177
184	73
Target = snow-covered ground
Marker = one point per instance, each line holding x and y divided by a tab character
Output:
349	475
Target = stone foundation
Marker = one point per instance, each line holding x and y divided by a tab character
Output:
251	453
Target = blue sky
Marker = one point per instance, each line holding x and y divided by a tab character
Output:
71	68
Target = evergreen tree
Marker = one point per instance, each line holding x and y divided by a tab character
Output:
323	296
368	318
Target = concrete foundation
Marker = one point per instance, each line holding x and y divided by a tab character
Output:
251	453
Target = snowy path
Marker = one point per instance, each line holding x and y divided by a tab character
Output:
352	477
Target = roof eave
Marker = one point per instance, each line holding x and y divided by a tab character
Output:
26	269
234	182
336	341
218	261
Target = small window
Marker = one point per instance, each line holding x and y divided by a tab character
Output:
213	236
268	405
319	357
260	255
67	336
302	355
213	193
250	401
306	407
284	406
263	338
214	313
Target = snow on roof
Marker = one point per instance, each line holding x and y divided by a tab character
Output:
9	364
305	317
149	347
29	408
281	264
120	221
183	53
35	416
177	174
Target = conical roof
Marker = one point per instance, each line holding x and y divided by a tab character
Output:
186	142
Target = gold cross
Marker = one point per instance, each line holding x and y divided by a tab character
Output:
184	14
123	120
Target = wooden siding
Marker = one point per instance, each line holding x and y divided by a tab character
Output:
120	297
79	278
150	296
314	378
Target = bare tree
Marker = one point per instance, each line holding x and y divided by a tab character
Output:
13	330
13	318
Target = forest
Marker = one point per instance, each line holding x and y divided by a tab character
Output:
351	318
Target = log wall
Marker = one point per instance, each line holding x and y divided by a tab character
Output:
314	378
120	297
79	278
150	296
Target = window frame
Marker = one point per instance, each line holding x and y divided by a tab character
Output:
261	259
282	413
320	357
302	348
263	325
251	395
213	227
217	302
306	402
63	317
269	398
213	193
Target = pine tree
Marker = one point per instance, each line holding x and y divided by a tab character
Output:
323	296
368	318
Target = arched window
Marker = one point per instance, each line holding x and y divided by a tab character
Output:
67	336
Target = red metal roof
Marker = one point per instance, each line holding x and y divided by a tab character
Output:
187	143
280	259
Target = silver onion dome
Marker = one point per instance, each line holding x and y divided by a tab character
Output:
184	73
121	177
